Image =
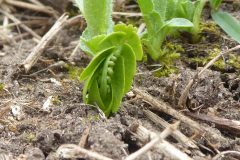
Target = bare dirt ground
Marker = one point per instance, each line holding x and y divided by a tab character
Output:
30	131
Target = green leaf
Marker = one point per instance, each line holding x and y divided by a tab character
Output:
94	96
118	85
228	23
146	6
94	64
199	5
91	46
215	4
178	23
102	9
130	65
114	39
131	38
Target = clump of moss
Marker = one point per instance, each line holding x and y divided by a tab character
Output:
170	53
230	61
29	137
210	32
74	72
210	27
56	100
2	86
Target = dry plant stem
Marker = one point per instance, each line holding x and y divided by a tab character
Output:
153	142
37	8
179	136
232	126
127	14
162	106
28	22
23	26
72	151
163	146
45	41
84	138
36	2
74	52
221	154
183	97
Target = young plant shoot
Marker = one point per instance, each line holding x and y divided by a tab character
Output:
114	49
160	22
191	10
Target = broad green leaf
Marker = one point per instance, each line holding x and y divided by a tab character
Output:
103	24
160	6
146	6
114	39
131	39
92	94
172	7
96	61
179	23
130	66
118	84
107	71
228	23
91	46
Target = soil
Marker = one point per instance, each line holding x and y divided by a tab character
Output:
30	131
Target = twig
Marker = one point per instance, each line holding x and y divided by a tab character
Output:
38	8
74	52
72	151
221	154
232	126
127	14
179	136
36	2
23	26
163	146
183	97
84	138
167	109
45	41
153	142
162	106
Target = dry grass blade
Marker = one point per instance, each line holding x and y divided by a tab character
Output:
153	142
38	8
45	41
231	126
221	154
162	106
72	151
23	26
163	146
179	136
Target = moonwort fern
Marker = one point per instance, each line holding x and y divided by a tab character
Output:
114	49
159	16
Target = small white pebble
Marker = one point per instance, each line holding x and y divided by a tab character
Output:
47	104
2	54
130	94
17	112
57	83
